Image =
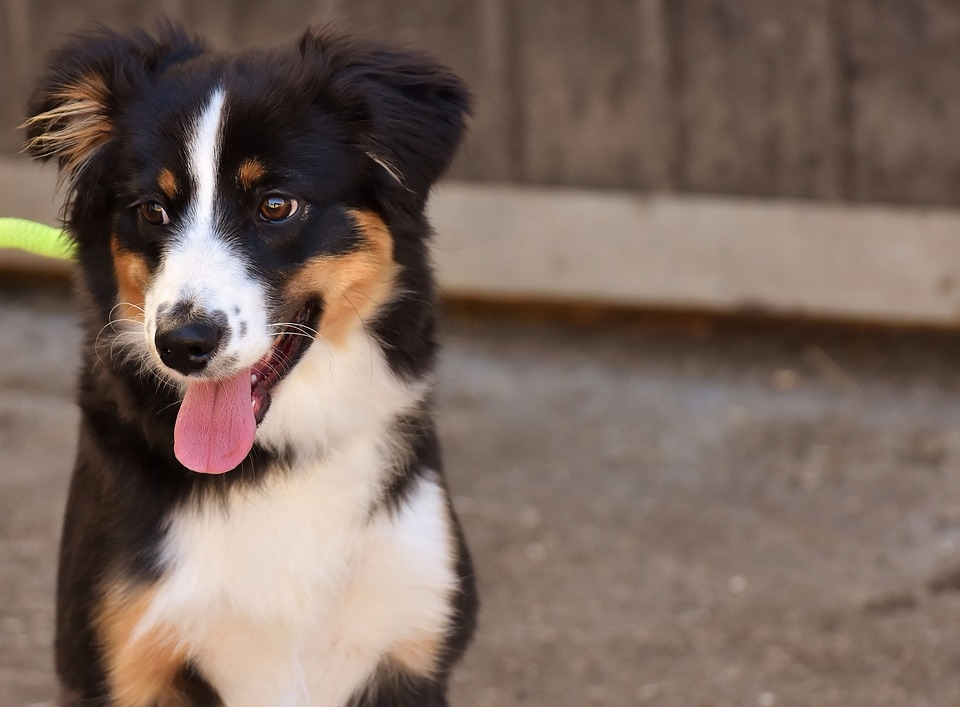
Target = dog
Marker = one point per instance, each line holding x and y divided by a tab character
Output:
257	513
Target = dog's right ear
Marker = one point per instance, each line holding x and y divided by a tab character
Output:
73	109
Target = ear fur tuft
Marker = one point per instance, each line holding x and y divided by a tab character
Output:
72	111
75	125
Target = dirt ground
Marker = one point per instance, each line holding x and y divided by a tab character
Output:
724	516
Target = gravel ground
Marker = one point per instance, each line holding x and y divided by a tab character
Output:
727	515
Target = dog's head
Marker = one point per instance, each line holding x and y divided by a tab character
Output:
232	209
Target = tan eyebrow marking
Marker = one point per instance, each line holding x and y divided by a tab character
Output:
168	183
250	171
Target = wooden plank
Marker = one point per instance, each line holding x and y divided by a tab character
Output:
760	107
16	67
880	264
597	107
29	190
905	99
249	24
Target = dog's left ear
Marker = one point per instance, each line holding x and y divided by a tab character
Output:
411	112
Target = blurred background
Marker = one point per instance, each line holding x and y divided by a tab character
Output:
699	398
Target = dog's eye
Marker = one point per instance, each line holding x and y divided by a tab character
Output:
278	208
154	214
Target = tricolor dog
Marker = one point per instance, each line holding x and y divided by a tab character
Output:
257	515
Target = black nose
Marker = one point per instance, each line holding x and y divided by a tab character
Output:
188	347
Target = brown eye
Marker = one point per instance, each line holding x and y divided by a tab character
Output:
278	208
154	214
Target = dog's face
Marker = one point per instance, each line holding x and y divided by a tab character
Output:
229	211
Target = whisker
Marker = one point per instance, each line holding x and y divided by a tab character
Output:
304	335
292	325
378	303
169	406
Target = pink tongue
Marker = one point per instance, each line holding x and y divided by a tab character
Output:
215	426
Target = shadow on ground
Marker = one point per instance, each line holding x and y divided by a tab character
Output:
730	517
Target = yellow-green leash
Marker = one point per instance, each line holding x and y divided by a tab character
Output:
35	238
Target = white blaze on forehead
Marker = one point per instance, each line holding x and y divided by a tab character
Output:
200	266
204	156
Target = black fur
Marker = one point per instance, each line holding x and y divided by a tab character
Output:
360	127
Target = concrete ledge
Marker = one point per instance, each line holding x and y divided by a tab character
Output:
866	263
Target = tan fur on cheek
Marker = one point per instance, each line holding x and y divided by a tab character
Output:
132	278
353	286
141	668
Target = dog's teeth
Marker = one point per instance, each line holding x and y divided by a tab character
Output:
253	378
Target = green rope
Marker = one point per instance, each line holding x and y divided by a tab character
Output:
35	238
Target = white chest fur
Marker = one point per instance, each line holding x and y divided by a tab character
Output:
292	594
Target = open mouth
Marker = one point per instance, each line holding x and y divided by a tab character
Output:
287	349
218	418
